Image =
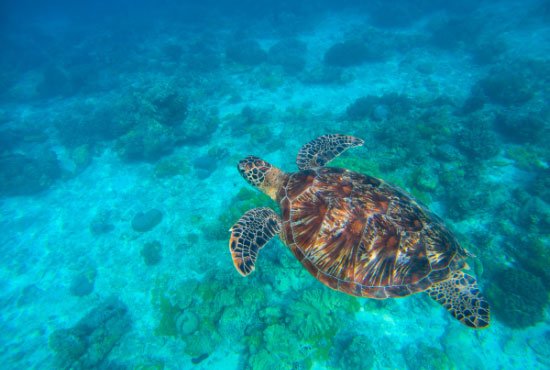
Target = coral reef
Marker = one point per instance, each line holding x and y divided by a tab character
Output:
378	108
318	316
90	122
518	297
168	167
187	323
200	125
282	343
527	157
540	186
88	344
425	357
462	191
148	141
167	103
476	138
506	87
533	256
354	351
205	313
523	127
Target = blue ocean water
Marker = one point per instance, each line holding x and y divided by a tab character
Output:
121	126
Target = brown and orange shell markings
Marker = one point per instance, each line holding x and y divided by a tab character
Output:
359	235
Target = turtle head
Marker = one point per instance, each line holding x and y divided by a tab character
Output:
262	175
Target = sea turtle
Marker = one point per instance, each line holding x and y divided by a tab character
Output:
356	233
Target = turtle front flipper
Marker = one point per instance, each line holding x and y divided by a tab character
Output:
460	295
324	149
253	230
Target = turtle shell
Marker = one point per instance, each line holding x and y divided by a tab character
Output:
359	235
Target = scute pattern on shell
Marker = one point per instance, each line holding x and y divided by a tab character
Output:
357	234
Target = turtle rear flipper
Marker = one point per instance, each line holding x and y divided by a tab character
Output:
460	295
324	149
253	230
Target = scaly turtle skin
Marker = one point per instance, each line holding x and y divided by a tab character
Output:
356	233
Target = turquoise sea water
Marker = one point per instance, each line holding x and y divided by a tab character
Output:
121	125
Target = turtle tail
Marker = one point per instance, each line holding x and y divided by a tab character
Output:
461	296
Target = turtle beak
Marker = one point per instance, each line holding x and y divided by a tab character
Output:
245	165
253	169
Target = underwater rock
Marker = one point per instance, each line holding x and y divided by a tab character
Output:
202	57
204	166
389	14
290	54
56	81
324	76
12	138
488	52
199	359
88	344
23	175
101	223
68	346
350	53
145	221
30	293
151	253
246	52
451	33
83	283
540	344
173	51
